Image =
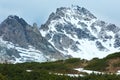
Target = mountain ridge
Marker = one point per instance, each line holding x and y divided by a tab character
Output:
68	32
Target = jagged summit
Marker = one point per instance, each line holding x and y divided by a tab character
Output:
16	18
75	10
76	31
70	13
12	17
13	29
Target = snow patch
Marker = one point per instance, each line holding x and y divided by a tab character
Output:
88	71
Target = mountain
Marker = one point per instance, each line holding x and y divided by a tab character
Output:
21	42
77	32
68	32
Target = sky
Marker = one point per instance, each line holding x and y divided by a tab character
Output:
39	10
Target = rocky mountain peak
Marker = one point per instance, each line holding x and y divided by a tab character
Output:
25	41
76	31
14	18
69	14
74	11
13	29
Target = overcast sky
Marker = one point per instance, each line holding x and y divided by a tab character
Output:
39	10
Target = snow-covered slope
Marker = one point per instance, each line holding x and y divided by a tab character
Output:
14	54
77	32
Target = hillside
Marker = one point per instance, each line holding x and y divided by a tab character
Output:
63	69
111	63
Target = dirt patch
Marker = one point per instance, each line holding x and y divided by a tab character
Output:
111	68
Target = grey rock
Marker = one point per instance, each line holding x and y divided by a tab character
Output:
19	32
100	46
61	41
113	28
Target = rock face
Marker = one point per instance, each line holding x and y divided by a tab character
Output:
17	37
77	32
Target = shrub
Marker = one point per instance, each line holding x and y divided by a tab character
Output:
72	60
